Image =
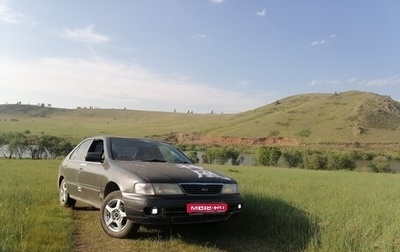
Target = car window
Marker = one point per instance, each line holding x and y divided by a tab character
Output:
170	155
122	149
142	150
97	146
146	152
80	152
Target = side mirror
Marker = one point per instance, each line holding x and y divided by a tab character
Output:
94	157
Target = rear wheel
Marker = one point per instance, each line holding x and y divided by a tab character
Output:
65	199
113	217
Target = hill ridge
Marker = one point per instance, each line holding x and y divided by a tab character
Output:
347	117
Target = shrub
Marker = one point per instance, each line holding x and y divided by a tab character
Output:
221	155
340	162
314	161
14	144
380	164
332	162
192	155
293	158
347	162
268	156
44	146
304	133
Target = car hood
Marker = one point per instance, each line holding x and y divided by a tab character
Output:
157	172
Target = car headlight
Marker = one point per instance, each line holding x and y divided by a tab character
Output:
157	189
230	189
161	189
143	188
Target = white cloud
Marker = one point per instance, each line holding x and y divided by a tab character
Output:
324	82
393	80
85	34
261	13
352	80
318	42
73	82
324	41
8	15
198	36
315	82
217	1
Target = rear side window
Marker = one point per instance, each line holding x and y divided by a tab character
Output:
97	146
80	152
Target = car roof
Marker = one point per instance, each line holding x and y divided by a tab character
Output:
126	137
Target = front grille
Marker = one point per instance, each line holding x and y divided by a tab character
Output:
201	189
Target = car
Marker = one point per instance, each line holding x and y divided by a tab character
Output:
139	181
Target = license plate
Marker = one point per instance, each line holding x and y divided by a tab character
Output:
206	207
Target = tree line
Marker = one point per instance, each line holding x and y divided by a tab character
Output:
295	158
218	155
320	160
18	145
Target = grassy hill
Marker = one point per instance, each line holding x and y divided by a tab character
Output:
346	117
342	117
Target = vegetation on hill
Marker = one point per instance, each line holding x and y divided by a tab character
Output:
337	118
315	118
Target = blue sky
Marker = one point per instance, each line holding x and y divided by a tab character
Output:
225	56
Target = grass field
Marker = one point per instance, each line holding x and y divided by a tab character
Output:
31	217
285	210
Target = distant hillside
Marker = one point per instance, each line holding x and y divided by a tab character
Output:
340	117
346	117
28	110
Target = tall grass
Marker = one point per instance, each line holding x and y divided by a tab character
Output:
321	210
31	217
285	210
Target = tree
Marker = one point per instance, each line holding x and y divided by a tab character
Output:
221	155
44	146
268	156
13	144
52	146
380	164
34	150
347	162
314	161
192	155
294	158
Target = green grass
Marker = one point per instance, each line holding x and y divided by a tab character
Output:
285	210
31	217
322	211
80	123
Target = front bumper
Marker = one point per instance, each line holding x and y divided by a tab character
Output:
172	209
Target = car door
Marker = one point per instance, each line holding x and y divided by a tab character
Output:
91	176
72	167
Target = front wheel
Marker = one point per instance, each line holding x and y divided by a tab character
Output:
113	217
65	199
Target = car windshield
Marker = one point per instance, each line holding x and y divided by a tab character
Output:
145	151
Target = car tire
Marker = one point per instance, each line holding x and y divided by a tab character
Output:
65	199
113	217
